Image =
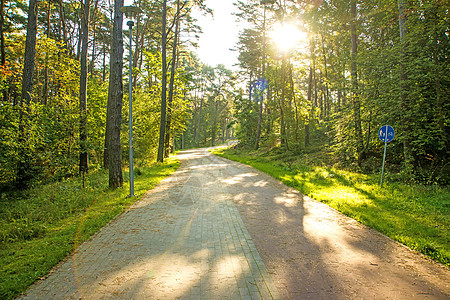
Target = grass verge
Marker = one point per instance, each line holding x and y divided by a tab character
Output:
41	226
415	215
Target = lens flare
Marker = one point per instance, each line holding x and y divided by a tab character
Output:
287	36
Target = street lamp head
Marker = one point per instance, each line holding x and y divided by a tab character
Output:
131	11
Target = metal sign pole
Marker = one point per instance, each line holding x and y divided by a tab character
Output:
130	89
384	158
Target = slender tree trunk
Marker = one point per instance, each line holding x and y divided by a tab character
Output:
2	36
437	79
63	23
326	92
83	164
45	92
258	130
283	131
94	38
104	64
30	52
115	100
199	119
23	175
309	99
2	44
194	118
321	100
162	126
171	83
294	101
309	94
405	105
354	75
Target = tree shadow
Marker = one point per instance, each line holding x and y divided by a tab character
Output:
218	230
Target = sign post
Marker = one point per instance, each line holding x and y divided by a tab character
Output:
386	134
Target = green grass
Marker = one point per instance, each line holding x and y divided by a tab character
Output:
41	226
415	215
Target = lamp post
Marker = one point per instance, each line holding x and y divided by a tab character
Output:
131	12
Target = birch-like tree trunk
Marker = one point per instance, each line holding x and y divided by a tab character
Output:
354	75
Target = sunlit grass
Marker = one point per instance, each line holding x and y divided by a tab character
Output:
41	226
415	215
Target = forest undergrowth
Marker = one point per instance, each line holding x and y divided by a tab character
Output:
41	226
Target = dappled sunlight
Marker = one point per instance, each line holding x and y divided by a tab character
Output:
320	228
281	217
202	254
149	277
261	183
287	199
227	268
207	166
238	179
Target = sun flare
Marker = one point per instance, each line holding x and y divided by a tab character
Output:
286	36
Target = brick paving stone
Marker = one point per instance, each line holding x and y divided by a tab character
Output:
184	240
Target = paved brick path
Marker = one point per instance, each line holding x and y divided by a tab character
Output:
184	240
187	240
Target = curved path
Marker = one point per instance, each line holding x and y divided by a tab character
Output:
217	229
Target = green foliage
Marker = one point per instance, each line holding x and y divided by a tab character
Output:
401	81
413	214
211	104
246	114
40	226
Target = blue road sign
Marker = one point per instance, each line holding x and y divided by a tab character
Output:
260	85
386	133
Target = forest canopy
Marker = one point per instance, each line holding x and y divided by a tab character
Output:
336	71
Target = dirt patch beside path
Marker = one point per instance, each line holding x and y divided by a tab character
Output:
314	252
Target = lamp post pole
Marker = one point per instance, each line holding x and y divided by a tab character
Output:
131	12
130	98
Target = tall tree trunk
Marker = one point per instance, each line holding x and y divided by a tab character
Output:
309	94
45	92
309	99
258	130
23	175
115	99
104	64
405	105
294	101
437	78
162	126
30	52
2	44
354	76
83	164
283	127
172	81
63	24
199	119
194	118
326	92
2	36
